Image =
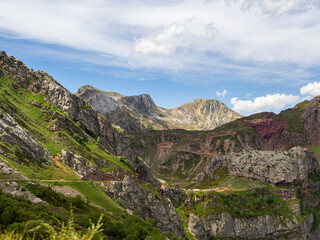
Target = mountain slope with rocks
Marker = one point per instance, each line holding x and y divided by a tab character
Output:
139	113
57	151
176	155
48	134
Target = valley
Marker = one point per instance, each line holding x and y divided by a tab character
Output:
232	177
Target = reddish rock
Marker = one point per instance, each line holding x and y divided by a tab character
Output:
266	127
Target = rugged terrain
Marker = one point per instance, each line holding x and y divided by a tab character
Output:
48	134
183	154
253	178
139	113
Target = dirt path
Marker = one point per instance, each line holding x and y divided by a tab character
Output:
209	190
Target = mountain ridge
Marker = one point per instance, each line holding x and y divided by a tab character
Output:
139	112
57	150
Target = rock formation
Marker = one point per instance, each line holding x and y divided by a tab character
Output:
275	167
139	113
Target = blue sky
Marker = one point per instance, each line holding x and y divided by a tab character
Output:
253	55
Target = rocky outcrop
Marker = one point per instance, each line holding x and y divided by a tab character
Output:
68	191
145	204
5	169
18	190
275	167
138	113
86	170
261	227
311	119
77	162
23	143
175	193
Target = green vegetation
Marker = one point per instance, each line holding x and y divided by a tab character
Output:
94	195
37	229
316	150
255	116
221	174
240	204
19	214
293	117
230	183
184	216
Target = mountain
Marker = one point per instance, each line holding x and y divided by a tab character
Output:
264	131
54	147
138	113
253	178
165	150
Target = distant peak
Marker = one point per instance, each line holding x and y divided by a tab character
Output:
88	87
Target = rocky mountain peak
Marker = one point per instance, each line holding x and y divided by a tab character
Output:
142	104
137	113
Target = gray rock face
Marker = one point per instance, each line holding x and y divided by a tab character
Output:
175	193
13	134
4	168
262	227
86	170
136	198
275	167
142	104
195	227
76	162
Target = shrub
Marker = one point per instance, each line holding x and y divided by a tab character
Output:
37	229
8	215
78	202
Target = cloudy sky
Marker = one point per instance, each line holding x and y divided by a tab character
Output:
254	55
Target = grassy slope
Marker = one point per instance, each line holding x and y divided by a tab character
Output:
95	195
16	101
293	117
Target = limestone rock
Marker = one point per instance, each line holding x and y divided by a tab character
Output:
175	193
13	134
137	199
196	228
261	227
4	168
275	167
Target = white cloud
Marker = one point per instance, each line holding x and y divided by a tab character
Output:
166	42
185	34
221	94
312	89
278	7
265	103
